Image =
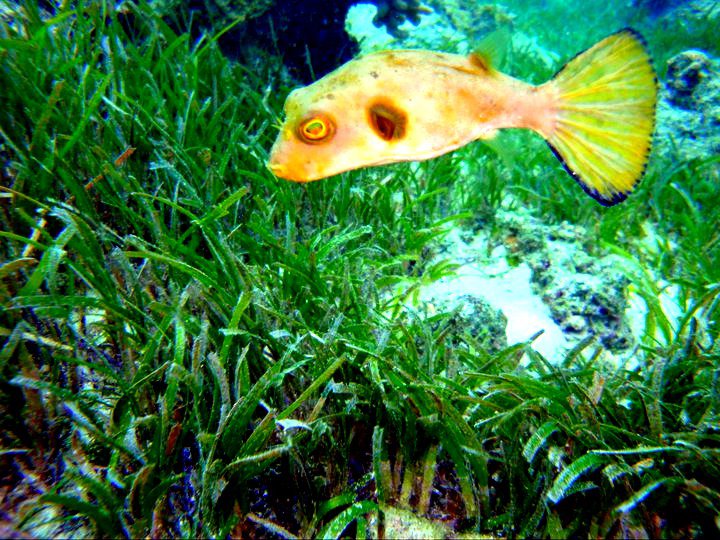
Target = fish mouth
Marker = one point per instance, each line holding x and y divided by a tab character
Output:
283	171
277	169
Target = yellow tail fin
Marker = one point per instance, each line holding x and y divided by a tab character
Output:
606	116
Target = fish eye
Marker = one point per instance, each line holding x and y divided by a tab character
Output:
315	129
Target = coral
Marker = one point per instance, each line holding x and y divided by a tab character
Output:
687	74
392	13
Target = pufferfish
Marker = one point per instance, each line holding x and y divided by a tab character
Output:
597	114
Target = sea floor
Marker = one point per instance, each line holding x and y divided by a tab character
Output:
551	289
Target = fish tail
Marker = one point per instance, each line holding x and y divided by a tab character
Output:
605	119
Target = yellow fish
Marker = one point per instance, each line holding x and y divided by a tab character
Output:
597	114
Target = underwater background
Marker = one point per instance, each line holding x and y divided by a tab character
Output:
461	347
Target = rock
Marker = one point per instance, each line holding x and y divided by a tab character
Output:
474	21
688	116
587	304
689	79
471	314
542	278
586	294
401	523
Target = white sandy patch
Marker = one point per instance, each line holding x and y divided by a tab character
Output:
505	288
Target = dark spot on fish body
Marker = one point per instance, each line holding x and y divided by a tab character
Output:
330	96
384	127
388	121
374	74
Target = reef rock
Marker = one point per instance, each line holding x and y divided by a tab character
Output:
451	27
586	294
536	277
591	304
432	31
474	21
690	78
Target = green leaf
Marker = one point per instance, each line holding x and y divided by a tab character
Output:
222	208
48	265
337	525
191	271
242	304
338	240
538	439
90	110
572	473
17	265
232	431
630	503
96	514
381	467
319	381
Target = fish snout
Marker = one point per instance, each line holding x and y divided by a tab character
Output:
287	168
286	171
280	163
278	169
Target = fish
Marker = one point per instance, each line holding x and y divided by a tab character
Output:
597	114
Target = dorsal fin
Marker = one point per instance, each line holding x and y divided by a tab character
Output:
491	50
